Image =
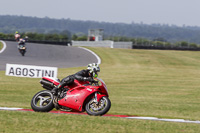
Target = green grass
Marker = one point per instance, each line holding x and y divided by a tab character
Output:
1	45
30	122
156	83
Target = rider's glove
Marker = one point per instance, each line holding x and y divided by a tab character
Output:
88	79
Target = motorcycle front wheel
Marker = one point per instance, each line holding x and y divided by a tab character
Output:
22	52
42	101
98	108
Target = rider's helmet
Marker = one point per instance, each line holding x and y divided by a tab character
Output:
93	69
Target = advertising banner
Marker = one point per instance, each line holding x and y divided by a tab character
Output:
30	71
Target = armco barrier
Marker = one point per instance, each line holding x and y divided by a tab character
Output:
126	45
166	48
110	44
93	43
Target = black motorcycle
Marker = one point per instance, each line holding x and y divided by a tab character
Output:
21	46
22	49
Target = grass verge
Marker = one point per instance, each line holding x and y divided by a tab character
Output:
155	83
1	46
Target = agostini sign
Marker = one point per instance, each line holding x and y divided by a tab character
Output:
30	71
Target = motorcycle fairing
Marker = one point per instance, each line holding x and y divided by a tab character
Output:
75	98
99	96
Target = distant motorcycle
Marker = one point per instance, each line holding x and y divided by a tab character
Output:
22	49
81	96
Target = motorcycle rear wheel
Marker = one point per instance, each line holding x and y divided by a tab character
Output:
98	109
42	101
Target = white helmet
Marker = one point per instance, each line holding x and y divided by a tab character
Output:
94	69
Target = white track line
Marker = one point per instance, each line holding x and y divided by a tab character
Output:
134	117
6	108
168	120
4	46
98	58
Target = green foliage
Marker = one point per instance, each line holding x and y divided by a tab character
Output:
193	45
39	37
9	24
158	43
35	36
82	38
74	37
168	44
2	35
63	37
184	44
1	46
139	41
52	37
118	38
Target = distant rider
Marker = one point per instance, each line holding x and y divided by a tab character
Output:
21	41
83	75
17	36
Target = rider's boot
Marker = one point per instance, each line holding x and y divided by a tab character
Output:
55	89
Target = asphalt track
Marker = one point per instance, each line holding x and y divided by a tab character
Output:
46	55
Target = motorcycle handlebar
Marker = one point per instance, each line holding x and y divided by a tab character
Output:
95	82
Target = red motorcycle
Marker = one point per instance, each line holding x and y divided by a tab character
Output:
81	96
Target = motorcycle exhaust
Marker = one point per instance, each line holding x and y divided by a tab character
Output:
46	83
46	87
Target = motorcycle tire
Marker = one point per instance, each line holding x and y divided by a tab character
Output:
103	106
42	101
23	52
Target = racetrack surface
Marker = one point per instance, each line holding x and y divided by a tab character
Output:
46	55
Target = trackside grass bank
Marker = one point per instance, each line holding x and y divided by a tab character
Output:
30	122
1	46
156	83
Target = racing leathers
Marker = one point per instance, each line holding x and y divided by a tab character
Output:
17	37
21	42
82	75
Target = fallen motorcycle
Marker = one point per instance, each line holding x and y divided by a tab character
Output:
81	96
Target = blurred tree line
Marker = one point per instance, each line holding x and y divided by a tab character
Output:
54	37
172	33
38	37
65	37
